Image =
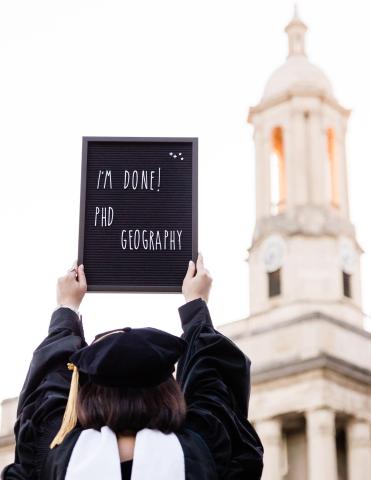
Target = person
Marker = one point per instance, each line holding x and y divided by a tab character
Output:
117	412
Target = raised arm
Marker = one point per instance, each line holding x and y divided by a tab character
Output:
215	377
45	391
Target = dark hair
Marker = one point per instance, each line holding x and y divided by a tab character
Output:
128	410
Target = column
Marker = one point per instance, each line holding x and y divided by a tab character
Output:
358	449
321	441
270	435
262	173
298	151
343	171
318	162
288	152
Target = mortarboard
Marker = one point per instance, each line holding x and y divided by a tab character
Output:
138	357
128	357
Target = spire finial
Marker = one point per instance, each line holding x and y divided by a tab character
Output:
296	32
296	13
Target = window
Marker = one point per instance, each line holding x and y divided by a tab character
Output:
347	291
334	168
341	453
278	174
274	283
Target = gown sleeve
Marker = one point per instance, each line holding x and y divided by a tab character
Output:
44	395
215	377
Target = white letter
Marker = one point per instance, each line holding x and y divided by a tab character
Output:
136	239
96	214
104	216
126	179
166	234
144	240
144	179
100	172
110	216
158	240
159	178
179	232
134	179
152	175
108	174
172	239
123	245
130	238
151	246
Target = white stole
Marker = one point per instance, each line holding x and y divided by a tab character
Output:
157	456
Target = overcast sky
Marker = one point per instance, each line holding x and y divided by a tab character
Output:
151	68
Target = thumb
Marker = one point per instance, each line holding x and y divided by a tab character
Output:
81	275
191	269
200	262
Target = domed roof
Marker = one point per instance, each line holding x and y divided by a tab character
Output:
297	73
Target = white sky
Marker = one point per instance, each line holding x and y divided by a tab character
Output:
150	68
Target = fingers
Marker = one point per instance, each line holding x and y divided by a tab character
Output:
200	263
72	272
191	270
192	267
78	274
81	276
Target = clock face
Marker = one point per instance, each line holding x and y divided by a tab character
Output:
348	255
273	251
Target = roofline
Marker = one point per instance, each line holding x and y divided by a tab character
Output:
323	361
274	101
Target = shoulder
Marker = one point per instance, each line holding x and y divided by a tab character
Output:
57	460
198	460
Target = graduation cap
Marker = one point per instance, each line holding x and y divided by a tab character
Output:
127	357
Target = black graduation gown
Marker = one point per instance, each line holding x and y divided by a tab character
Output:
217	440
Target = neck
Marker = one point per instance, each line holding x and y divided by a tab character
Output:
126	444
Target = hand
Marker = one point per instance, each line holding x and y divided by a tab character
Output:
199	285
72	287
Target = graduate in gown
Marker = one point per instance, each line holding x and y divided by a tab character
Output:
214	440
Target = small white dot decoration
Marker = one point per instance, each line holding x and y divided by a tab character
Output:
174	155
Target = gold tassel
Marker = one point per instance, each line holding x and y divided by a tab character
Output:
70	415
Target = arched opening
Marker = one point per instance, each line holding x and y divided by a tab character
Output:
274	283
334	168
347	285
278	173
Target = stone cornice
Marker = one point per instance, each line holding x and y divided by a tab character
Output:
323	361
307	317
273	102
309	220
315	316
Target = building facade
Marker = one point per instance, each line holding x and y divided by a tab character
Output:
8	416
311	354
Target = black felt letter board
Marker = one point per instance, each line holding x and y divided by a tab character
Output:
138	213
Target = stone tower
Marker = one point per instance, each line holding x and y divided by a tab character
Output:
311	356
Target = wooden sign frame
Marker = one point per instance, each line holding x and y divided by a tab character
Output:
83	200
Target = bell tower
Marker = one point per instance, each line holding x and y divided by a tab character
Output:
304	254
311	356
